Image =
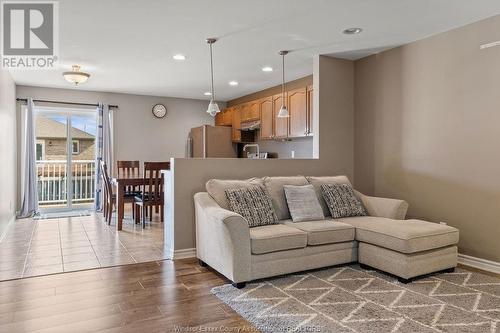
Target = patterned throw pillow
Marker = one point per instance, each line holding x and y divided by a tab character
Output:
341	200
253	203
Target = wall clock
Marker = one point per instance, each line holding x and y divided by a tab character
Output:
159	111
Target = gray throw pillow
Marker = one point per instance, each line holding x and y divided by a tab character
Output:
253	203
341	201
303	203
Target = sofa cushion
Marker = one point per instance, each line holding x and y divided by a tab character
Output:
406	236
217	188
316	182
303	203
342	201
274	186
278	237
324	231
253	203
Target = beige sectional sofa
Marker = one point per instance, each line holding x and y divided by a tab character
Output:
382	240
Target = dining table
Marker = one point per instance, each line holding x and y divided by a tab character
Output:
121	181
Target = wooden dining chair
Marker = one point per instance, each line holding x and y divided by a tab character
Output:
129	169
152	191
108	195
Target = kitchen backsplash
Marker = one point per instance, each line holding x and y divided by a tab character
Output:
302	147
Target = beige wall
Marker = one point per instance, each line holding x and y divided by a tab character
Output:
8	150
428	130
335	95
138	135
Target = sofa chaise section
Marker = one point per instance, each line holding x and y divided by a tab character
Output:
383	239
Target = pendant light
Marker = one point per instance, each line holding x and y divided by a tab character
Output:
283	113
213	108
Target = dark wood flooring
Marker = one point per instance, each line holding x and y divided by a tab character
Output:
163	296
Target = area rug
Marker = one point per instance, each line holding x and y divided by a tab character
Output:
350	299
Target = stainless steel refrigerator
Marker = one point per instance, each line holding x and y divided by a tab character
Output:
211	141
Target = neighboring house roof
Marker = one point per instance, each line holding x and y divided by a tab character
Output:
52	129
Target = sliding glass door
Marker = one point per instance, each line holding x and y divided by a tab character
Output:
65	157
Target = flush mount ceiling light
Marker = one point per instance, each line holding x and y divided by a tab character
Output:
283	113
76	76
207	93
233	83
267	69
213	108
352	31
179	57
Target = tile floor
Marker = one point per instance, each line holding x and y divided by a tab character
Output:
41	247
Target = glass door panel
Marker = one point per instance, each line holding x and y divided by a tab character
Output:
83	143
65	157
51	159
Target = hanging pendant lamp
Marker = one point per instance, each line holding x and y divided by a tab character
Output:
213	108
283	112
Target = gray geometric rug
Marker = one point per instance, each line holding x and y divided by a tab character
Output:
350	299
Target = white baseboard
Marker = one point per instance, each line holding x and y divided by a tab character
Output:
486	265
183	254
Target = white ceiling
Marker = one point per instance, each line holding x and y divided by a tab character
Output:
127	45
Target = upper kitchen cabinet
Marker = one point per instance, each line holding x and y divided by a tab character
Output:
310	130
280	124
224	118
253	111
250	111
236	123
219	118
297	108
266	118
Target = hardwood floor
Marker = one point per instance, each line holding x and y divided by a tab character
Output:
162	296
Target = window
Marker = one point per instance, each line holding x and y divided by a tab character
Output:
40	150
75	147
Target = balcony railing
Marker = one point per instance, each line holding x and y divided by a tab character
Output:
52	178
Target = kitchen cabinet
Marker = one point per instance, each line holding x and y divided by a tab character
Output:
227	117
280	124
250	111
299	124
244	111
236	123
310	129
297	108
253	111
266	118
219	119
224	118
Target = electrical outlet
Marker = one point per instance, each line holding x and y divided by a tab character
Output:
293	153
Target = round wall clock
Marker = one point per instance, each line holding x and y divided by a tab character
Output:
159	111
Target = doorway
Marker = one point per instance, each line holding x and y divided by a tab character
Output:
65	152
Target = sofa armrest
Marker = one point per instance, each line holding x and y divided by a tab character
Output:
222	239
384	207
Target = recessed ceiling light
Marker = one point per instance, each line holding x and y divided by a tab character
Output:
267	69
233	83
179	57
208	93
352	31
